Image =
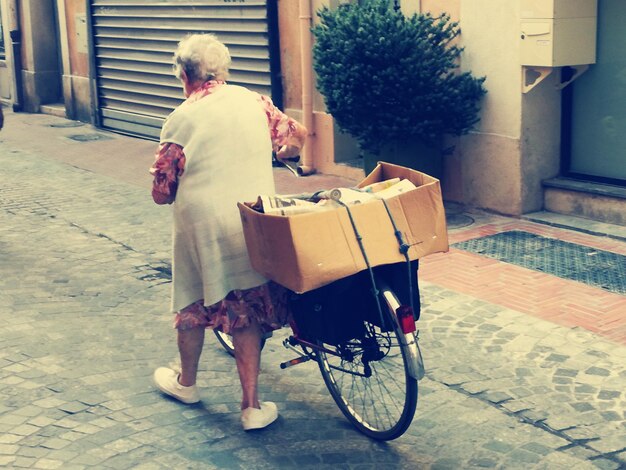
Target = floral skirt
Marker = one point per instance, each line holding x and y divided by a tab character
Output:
266	305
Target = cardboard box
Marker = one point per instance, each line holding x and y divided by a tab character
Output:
306	251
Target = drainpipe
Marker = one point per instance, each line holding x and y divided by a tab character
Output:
306	63
16	37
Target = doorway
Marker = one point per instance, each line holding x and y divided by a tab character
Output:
53	102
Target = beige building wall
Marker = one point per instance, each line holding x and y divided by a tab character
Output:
452	7
485	170
540	143
74	39
501	164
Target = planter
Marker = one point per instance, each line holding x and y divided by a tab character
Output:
413	154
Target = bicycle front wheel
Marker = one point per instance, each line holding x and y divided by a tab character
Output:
370	380
226	341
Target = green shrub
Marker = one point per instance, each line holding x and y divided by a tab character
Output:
387	77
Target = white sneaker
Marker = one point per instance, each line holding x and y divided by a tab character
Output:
166	380
254	418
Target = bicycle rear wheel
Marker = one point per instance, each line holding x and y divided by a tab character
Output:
370	381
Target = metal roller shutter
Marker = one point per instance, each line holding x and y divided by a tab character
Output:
133	45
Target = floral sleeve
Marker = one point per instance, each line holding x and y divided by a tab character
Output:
168	167
283	129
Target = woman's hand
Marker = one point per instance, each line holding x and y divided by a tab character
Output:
288	151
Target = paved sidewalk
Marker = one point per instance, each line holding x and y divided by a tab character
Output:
126	159
524	370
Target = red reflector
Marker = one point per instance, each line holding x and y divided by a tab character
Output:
405	318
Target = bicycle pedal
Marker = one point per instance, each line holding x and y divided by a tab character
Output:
295	362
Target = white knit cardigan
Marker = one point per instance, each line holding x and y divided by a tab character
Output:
226	141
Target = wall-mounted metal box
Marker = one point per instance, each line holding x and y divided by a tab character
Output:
556	33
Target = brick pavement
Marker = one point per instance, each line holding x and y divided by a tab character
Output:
565	302
83	294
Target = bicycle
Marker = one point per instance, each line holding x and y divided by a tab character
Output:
370	361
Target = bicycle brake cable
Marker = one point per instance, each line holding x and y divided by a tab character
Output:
369	267
404	249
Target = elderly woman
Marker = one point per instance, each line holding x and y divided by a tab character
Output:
216	150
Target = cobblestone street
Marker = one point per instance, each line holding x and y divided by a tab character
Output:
520	381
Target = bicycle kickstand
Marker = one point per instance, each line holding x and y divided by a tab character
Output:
297	360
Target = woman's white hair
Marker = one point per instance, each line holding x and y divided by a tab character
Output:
202	57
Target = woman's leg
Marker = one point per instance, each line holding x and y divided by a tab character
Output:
190	343
247	342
